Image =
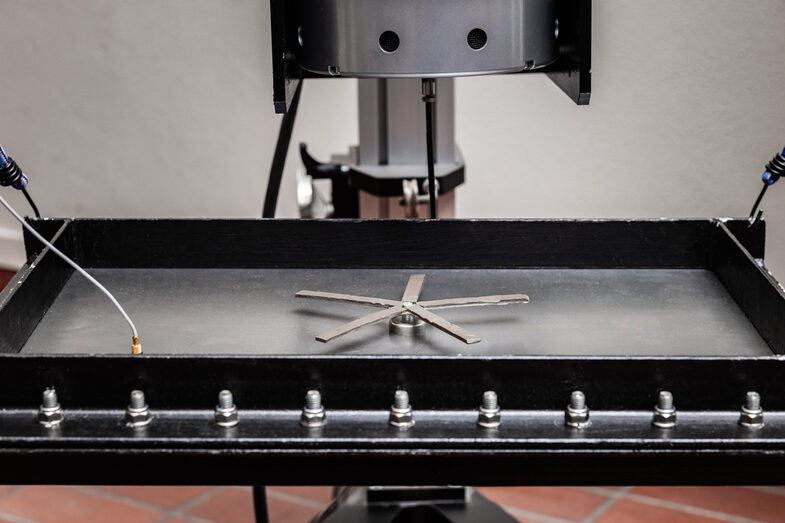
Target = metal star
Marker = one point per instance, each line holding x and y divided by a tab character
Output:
409	304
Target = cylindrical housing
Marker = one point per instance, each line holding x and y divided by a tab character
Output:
426	38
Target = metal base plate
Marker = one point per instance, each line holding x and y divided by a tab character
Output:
608	312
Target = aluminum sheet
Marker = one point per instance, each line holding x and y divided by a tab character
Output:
254	311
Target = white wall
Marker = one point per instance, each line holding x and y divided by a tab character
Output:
163	108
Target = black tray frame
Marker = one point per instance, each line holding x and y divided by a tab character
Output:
182	446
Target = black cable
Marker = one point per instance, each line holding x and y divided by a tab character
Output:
31	202
757	202
279	158
429	97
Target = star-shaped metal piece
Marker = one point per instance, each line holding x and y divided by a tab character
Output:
409	304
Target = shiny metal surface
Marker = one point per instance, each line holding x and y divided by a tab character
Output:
343	37
254	311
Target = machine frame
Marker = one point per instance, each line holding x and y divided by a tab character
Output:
533	446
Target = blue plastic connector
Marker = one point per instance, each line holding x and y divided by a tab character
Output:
775	169
10	172
4	162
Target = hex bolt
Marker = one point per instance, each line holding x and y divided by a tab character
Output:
751	412
489	415
138	413
664	411
226	411
50	414
313	415
401	411
576	414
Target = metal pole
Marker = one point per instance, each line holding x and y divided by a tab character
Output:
260	504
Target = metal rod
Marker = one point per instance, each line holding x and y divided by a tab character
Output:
279	158
429	97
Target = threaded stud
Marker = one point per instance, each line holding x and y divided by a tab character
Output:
137	399
313	415
577	400
665	400
490	400
225	400
50	414
137	415
752	401
751	412
401	399
664	411
576	414
313	400
49	398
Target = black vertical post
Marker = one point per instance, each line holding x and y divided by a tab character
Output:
260	504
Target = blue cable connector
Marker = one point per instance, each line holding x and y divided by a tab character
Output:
775	169
10	172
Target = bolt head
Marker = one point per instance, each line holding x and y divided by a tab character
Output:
136	418
313	418
226	417
576	418
751	418
401	418
50	417
489	418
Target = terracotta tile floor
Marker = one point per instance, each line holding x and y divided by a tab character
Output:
60	504
57	504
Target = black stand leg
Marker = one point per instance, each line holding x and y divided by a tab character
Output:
260	504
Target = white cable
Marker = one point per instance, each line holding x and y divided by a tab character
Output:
71	263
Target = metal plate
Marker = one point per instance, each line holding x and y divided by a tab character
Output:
601	312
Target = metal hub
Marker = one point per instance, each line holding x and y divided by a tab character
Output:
407	324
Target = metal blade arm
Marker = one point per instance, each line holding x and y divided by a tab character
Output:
348	298
479	301
413	288
442	324
359	323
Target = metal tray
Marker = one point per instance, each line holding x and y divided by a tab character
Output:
619	310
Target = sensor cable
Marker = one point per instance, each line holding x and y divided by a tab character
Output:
136	347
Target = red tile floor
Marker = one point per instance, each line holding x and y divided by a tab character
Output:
57	504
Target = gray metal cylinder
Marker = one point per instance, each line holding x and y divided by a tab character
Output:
426	38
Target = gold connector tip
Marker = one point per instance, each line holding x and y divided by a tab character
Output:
136	347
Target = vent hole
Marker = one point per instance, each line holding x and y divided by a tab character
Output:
477	38
389	41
